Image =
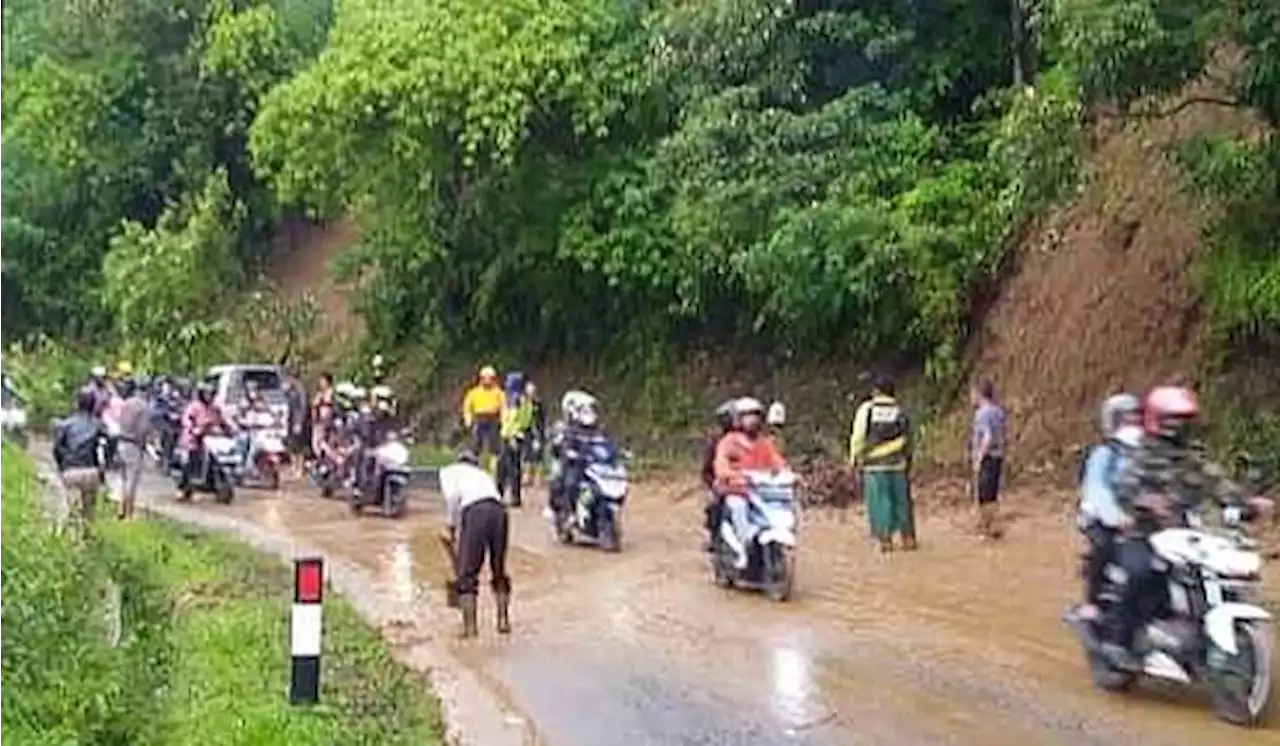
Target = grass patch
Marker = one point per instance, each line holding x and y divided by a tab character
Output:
204	653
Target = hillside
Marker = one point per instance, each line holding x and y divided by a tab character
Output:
1099	298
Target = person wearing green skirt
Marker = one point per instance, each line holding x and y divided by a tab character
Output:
880	449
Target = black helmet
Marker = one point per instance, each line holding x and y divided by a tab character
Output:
204	392
126	387
86	400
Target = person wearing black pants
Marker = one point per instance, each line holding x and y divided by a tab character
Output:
476	526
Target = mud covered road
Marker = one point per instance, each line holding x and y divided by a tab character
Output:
959	643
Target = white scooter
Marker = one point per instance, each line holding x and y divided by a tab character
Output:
1208	629
767	562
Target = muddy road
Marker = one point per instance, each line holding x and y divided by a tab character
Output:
959	643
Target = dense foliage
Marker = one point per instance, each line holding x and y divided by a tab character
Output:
559	175
566	175
174	666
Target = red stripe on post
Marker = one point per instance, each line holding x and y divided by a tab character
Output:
308	580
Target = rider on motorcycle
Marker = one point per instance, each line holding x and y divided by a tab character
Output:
712	507
199	419
252	418
1101	517
747	448
1167	478
580	427
372	432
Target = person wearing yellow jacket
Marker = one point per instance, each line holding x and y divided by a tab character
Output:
880	448
517	420
482	417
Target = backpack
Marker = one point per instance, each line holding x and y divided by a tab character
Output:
1112	465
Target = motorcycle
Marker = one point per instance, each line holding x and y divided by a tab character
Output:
388	487
220	460
1206	628
770	556
269	454
595	516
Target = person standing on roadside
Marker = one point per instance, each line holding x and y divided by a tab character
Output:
536	443
76	452
986	449
482	417
517	420
135	426
880	448
299	440
475	525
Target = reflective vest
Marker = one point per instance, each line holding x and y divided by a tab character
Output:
887	434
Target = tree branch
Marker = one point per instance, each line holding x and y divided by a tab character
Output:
1153	113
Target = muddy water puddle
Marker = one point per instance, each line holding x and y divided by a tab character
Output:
959	643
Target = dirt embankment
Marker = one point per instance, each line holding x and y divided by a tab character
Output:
1100	298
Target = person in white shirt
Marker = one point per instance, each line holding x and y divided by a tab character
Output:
475	525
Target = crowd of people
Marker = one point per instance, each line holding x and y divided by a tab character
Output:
1147	471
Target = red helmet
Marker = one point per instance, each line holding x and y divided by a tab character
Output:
1168	402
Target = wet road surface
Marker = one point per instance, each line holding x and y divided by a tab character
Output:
959	643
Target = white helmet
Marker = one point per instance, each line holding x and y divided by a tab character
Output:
580	407
777	415
748	405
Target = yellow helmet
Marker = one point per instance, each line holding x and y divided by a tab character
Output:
124	368
488	373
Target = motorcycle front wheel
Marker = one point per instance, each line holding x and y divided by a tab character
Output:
780	570
1240	684
223	491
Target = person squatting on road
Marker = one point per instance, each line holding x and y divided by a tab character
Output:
711	508
482	417
135	427
517	421
1167	478
880	449
476	525
985	450
75	451
746	448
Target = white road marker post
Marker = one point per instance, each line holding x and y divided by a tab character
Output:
304	630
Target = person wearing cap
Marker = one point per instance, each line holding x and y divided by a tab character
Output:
482	416
97	384
475	526
880	448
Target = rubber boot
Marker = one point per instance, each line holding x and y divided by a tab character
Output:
467	603
503	601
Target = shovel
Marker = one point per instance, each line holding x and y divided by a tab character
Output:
450	583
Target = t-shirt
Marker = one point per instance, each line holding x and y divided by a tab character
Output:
988	419
464	484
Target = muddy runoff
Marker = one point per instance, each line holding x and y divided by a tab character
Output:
958	643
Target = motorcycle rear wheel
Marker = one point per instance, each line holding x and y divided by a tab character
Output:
1241	690
223	491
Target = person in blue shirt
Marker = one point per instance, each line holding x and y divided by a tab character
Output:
1101	517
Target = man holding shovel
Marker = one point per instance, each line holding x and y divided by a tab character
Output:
475	526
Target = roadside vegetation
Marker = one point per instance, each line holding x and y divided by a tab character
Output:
198	653
616	187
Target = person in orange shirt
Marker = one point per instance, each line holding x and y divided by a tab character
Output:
747	448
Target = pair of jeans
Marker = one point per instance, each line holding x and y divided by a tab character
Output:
1136	557
1102	549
